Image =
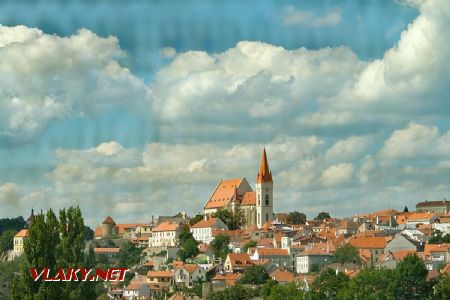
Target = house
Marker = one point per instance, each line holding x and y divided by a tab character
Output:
420	218
134	230
282	276
106	254
400	243
390	259
278	257
313	259
438	207
19	240
165	234
188	274
180	218
202	230
373	244
229	279
232	194
237	262
347	227
436	255
164	278
135	291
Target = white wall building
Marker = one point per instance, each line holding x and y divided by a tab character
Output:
202	230
165	234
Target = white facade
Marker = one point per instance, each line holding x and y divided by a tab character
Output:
264	203
167	238
183	277
204	232
306	262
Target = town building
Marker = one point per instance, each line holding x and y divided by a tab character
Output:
438	207
188	274
233	194
19	240
165	234
202	231
106	254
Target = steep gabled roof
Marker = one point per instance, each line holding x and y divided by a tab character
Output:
109	221
211	222
264	174
223	193
249	198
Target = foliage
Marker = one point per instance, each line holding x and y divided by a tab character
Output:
219	246
233	293
370	284
255	275
88	233
439	238
328	284
406	209
247	245
288	291
8	268
347	253
296	217
411	279
322	216
266	288
7	240
54	243
196	219
188	245
442	288
234	220
129	255
12	224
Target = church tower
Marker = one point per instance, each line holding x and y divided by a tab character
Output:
264	193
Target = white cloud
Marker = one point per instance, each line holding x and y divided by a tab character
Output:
65	76
293	16
349	149
337	174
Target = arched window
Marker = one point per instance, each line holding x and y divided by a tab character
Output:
267	217
267	199
259	199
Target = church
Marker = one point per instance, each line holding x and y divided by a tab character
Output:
235	194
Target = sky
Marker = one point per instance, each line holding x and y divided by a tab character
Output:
139	108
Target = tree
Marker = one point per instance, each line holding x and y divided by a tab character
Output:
234	220
12	224
406	209
54	243
255	275
266	288
322	216
219	246
196	219
442	288
232	293
439	238
328	284
347	253
288	291
129	255
370	283
247	245
7	240
188	245
88	233
296	218
411	279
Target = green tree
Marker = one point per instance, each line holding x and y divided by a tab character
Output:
54	243
130	255
406	209
234	293
328	284
296	218
7	240
266	288
88	233
196	219
322	216
347	253
247	245
438	238
255	275
219	246
288	291
234	220
188	245
442	288
15	224
371	284
411	279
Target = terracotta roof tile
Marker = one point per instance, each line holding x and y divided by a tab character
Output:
210	222
228	278
272	252
159	274
223	193
106	250
23	233
420	216
109	220
283	276
240	260
368	242
167	226
249	198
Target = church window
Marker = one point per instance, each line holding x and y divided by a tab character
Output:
267	199
259	199
267	217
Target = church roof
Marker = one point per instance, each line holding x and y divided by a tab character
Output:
249	198
223	193
264	174
109	220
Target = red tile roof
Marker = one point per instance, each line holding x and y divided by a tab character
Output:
211	222
23	233
264	174
106	250
228	278
223	193
166	226
159	274
283	276
240	260
109	220
272	252
249	198
374	242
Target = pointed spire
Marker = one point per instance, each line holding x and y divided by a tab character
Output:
264	174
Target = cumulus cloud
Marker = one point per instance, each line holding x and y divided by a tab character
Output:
64	76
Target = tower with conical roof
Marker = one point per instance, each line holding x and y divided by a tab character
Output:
264	193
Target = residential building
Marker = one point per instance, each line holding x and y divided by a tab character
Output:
202	230
278	257
237	262
229	279
106	254
438	207
164	278
165	234
19	240
374	245
390	259
421	218
188	274
313	259
136	291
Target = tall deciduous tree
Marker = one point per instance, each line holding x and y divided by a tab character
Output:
188	245
296	217
328	284
411	279
254	275
347	253
7	240
219	246
322	216
442	288
370	283
234	220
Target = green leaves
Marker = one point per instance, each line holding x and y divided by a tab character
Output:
254	275
347	254
219	246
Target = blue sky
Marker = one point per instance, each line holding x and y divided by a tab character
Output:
133	108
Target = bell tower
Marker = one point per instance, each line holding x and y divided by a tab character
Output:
264	193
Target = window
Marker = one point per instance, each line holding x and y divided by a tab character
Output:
259	199
267	217
267	199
